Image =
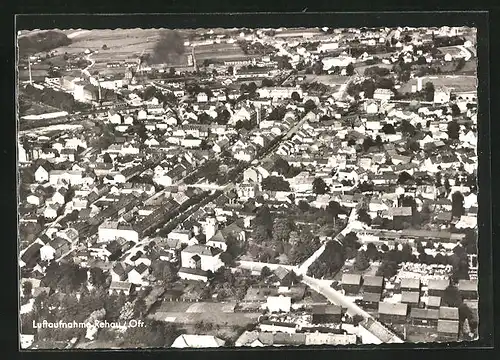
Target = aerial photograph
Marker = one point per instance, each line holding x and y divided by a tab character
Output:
247	187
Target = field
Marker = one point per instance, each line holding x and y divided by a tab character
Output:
191	313
219	51
331	80
456	82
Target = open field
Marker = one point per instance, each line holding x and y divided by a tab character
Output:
331	80
219	51
191	313
456	82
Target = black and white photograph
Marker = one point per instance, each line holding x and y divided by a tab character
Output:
247	187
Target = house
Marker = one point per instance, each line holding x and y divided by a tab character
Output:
412	298
35	199
424	317
202	97
433	302
284	276
351	283
116	287
373	284
181	235
55	249
468	289
193	274
197	341
448	313
371	300
218	241
442	94
371	107
42	174
383	94
448	330
26	340
279	303
119	272
31	255
112	230
326	314
436	287
137	274
278	327
410	284
201	257
392	313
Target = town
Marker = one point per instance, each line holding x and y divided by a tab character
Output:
247	187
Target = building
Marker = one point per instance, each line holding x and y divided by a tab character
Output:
412	298
117	287
433	302
392	313
436	287
279	92
112	230
201	257
351	283
448	313
383	94
410	284
326	314
373	284
442	94
197	341
371	300
448	330
424	317
279	303
468	289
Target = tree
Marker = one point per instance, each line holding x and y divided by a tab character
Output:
367	143
371	251
349	69
27	289
171	72
453	130
384	248
455	110
457	204
252	87
227	258
304	206
230	70
364	217
269	82
281	229
319	186
295	96
429	91
281	166
387	269
309	105
451	296
139	308
361	263
105	47
265	272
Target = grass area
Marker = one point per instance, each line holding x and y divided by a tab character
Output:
331	80
457	82
421	334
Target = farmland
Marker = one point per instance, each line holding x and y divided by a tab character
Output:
219	51
331	80
190	313
457	83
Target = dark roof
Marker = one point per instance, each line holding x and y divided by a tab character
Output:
392	308
448	313
193	271
467	285
412	297
409	283
373	281
351	279
448	326
141	268
428	314
434	301
327	309
438	284
371	297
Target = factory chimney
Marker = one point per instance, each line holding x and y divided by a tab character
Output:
29	69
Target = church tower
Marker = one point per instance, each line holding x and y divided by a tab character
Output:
211	226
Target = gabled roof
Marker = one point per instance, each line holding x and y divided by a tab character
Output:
392	308
197	341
